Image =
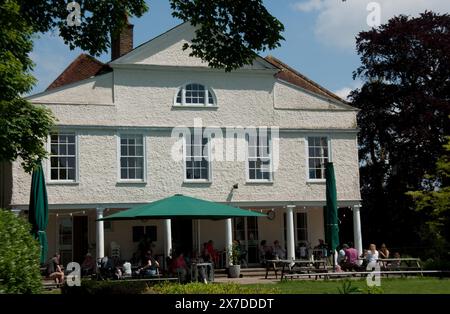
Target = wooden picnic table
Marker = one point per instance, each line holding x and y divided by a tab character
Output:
289	266
195	269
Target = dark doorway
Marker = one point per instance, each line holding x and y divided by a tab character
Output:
182	235
345	215
80	238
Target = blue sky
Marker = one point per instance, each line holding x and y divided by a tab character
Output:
319	37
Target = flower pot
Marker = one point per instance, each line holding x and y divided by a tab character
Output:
234	271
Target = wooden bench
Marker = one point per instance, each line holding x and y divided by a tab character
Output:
150	279
328	275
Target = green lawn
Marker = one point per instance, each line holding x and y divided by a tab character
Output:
388	286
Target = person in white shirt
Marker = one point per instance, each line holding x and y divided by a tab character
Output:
372	254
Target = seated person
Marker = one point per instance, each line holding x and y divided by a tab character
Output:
278	250
88	266
197	259
396	263
265	252
341	255
127	269
351	259
303	250
384	252
321	250
205	253
54	269
179	267
150	265
213	254
371	255
117	273
105	268
242	253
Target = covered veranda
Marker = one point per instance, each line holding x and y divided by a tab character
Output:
178	207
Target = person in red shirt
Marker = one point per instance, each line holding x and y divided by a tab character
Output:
212	252
351	258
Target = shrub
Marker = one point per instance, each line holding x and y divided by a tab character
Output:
19	256
201	288
99	287
436	264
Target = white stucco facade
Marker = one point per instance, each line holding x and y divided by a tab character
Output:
138	97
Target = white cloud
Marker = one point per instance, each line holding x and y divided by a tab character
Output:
308	6
344	92
338	23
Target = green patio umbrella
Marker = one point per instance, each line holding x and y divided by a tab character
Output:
330	211
38	209
184	207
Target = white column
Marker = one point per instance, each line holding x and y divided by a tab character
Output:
228	240
168	237
290	238
100	234
357	229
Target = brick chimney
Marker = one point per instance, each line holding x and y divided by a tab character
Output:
123	43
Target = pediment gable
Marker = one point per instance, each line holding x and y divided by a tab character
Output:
167	50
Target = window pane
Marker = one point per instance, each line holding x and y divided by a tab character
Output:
54	174
71	162
139	151
139	173
71	174
204	173
53	162
123	174
54	149
62	149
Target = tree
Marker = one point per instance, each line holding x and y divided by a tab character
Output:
435	202
19	256
229	33
404	106
23	127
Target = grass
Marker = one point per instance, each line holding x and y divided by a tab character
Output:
388	286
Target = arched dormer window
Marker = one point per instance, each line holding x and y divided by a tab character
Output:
195	94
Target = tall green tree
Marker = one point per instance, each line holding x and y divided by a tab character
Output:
229	33
404	106
434	201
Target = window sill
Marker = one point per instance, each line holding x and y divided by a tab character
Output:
257	182
197	181
62	183
316	181
203	107
131	182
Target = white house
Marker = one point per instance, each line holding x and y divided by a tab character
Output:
114	149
